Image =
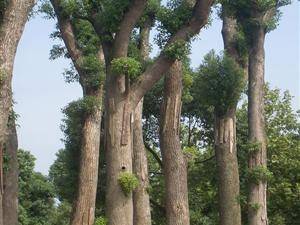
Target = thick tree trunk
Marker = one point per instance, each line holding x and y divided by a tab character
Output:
11	28
225	143
141	202
174	163
228	171
10	203
119	207
84	205
257	192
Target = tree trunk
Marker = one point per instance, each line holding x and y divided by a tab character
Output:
225	142
10	203
174	163
11	28
257	192
141	202
84	205
119	207
228	171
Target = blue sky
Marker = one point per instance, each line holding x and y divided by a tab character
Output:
41	93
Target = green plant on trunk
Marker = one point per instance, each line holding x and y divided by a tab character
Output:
254	206
100	221
128	182
259	174
127	66
177	50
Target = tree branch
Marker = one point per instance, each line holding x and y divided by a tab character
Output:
68	36
161	65
155	155
128	22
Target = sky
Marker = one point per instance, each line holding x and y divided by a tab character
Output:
40	91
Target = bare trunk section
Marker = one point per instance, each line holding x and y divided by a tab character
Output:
11	28
228	171
10	203
174	163
119	207
257	192
225	142
141	201
84	205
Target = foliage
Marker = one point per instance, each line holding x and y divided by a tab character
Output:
259	174
177	50
126	65
220	82
36	193
101	221
258	13
171	17
128	182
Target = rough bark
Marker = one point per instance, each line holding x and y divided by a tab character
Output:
228	173
10	203
84	204
256	123
12	24
141	202
225	142
121	102
174	163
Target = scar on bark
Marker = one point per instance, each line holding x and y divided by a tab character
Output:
167	109
226	133
125	123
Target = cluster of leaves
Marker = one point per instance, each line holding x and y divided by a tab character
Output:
220	82
258	13
101	221
127	66
128	182
171	17
259	174
178	50
36	193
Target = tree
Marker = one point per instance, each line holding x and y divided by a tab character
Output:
36	193
257	18
220	83
11	173
83	47
13	16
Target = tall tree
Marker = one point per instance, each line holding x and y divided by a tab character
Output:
225	131
11	174
174	162
141	202
13	16
88	61
257	18
114	23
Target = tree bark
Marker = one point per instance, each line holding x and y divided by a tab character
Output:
141	202
228	171
12	24
83	212
174	163
10	203
257	192
225	141
121	101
